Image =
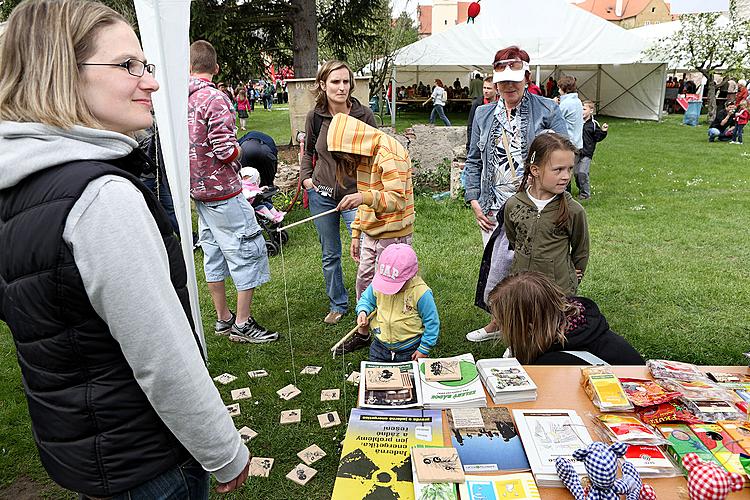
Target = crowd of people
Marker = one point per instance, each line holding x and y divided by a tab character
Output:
120	412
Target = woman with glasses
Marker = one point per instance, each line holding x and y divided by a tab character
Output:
92	279
501	135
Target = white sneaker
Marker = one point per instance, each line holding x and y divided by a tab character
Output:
481	335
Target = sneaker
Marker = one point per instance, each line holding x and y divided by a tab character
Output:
353	343
224	327
252	332
481	335
333	317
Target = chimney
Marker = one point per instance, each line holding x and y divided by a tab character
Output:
618	8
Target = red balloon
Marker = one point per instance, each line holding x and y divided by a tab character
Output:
473	10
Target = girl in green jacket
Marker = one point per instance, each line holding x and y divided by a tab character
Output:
545	226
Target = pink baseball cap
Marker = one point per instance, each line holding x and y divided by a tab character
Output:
395	266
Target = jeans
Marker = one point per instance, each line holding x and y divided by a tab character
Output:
737	137
184	482
328	228
713	134
581	173
438	109
269	101
380	353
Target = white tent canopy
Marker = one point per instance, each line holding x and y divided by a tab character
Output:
560	39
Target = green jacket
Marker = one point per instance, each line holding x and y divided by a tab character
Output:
541	246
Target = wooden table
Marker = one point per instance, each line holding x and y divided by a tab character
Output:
559	387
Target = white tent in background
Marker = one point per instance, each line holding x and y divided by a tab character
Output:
164	26
560	39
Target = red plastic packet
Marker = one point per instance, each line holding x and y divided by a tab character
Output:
667	412
642	392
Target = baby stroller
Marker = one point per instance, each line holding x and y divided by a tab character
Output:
259	151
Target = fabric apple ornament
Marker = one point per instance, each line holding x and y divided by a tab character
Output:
473	11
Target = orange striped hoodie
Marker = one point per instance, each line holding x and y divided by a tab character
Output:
383	178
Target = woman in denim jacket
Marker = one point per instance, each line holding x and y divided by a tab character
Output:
500	138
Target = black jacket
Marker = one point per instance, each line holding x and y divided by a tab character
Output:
595	337
95	429
592	134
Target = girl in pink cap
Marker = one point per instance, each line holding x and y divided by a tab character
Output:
406	325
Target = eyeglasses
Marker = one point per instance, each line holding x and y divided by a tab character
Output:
513	64
134	67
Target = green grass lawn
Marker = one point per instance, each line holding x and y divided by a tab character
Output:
668	267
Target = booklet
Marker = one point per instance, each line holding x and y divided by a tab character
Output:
723	447
466	392
376	452
516	486
491	446
408	396
650	461
682	441
506	380
548	434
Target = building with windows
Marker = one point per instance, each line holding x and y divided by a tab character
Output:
440	15
629	13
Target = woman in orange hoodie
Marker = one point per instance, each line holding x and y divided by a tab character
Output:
384	199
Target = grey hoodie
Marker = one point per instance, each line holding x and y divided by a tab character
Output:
125	270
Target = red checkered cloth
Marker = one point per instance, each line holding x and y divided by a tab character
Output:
707	481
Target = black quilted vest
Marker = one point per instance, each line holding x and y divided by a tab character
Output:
95	430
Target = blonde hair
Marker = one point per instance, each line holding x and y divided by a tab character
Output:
321	101
40	51
532	312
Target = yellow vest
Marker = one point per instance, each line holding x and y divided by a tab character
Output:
397	318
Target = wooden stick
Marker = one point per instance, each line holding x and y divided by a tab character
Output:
348	335
307	220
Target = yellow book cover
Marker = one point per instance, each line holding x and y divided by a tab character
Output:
607	387
376	452
516	486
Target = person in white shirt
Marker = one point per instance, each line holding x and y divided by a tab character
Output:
438	97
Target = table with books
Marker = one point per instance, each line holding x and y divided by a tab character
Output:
454	428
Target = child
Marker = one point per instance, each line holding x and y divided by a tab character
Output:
545	226
251	189
243	106
741	118
562	326
592	134
406	325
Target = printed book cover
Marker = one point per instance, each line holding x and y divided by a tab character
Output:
500	487
493	447
409	396
683	441
376	452
721	445
505	375
467	391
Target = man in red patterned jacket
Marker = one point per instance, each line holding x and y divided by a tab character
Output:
231	239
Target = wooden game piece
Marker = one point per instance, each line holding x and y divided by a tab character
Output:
437	465
311	454
288	392
234	409
441	370
246	434
225	378
257	374
330	419
330	394
311	370
353	378
291	416
260	466
383	379
243	393
301	474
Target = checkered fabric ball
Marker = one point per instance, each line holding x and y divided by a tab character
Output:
707	481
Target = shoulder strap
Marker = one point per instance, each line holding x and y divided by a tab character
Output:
317	122
589	358
506	145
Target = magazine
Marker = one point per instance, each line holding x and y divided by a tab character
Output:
466	392
517	486
409	396
723	447
683	441
376	452
506	380
494	446
548	434
650	461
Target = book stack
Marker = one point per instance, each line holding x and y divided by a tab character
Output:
506	380
451	383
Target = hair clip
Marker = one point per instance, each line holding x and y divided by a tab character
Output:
533	157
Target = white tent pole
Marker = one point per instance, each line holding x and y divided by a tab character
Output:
538	75
598	87
393	96
164	27
663	91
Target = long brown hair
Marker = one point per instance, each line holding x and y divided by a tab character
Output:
40	51
346	165
532	312
540	154
321	101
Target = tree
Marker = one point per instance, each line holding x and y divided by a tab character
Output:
706	43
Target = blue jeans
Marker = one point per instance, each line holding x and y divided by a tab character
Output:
713	134
437	109
380	353
187	481
328	228
738	133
